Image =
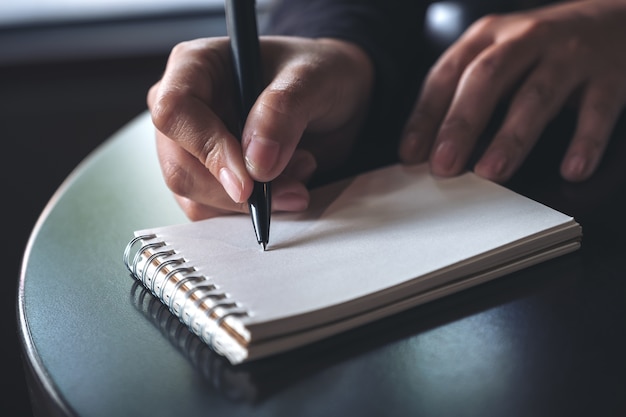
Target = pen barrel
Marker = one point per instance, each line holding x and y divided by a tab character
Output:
242	30
246	55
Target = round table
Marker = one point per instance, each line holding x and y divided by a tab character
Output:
549	340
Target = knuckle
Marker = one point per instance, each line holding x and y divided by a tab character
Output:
541	92
283	99
197	50
485	23
210	153
165	113
177	178
488	67
458	124
213	55
204	144
181	48
533	27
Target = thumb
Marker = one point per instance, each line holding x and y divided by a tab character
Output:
274	127
320	87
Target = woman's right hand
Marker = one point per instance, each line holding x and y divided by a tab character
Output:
306	119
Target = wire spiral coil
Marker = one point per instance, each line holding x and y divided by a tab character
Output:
193	298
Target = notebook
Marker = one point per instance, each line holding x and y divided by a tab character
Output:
368	247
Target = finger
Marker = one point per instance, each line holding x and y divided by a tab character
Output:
186	177
200	68
602	103
181	108
436	95
537	101
196	211
288	195
301	166
307	93
486	80
202	196
289	192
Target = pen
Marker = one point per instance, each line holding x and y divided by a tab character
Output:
241	26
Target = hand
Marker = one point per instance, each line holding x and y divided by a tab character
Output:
306	119
541	59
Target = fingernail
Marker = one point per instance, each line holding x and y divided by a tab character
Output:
261	155
576	166
445	156
231	184
493	165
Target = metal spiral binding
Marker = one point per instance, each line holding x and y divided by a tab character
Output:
149	261
183	277
162	265
129	247
234	309
140	253
212	293
180	283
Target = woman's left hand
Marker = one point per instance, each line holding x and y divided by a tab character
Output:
541	59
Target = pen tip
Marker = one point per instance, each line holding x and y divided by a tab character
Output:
263	245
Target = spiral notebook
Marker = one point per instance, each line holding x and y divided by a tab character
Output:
368	247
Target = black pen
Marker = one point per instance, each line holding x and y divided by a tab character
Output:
241	26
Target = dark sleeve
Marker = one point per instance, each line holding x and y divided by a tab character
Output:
391	34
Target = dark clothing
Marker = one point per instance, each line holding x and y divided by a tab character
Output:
392	33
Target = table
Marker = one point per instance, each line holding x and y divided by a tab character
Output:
549	340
